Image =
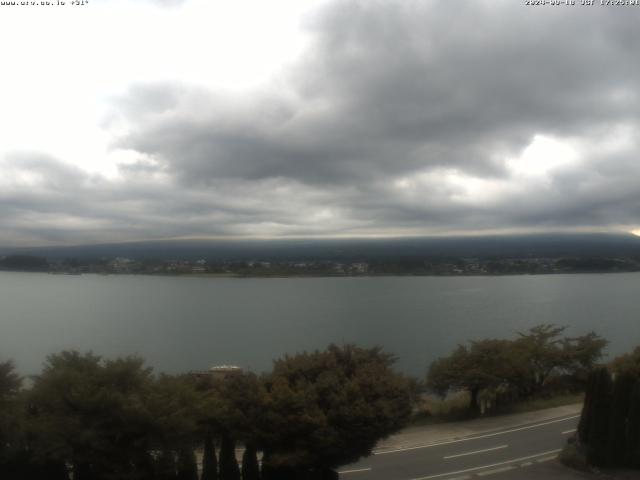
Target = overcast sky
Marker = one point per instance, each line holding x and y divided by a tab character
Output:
131	120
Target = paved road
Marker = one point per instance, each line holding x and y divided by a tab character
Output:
482	455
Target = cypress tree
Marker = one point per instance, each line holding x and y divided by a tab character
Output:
56	470
209	460
617	434
145	466
250	467
267	472
587	409
229	469
187	466
633	431
82	471
166	466
598	436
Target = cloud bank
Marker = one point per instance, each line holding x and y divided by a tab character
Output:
399	118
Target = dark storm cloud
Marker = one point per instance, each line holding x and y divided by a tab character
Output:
393	87
400	118
47	201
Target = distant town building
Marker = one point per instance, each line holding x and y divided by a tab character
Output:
224	371
219	372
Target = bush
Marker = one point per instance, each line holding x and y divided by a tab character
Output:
574	457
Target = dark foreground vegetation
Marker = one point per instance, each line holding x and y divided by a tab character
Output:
500	372
88	418
609	431
93	419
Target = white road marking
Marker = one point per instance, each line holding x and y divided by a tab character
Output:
526	464
546	459
487	435
568	431
496	470
506	462
477	451
355	471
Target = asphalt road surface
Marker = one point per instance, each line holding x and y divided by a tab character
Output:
484	455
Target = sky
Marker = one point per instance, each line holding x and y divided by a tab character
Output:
153	119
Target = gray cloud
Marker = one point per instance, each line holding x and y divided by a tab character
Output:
388	92
393	87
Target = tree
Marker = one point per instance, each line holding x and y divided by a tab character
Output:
632	452
166	468
516	368
582	354
609	428
627	363
12	454
26	263
250	467
593	429
233	407
187	466
229	469
328	408
10	381
209	460
92	414
483	365
617	435
542	349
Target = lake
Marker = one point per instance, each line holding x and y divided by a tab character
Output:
184	323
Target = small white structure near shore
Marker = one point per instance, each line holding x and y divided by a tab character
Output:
218	372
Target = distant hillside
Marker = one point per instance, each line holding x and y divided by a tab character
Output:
554	246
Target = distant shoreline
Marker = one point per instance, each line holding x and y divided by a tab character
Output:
336	275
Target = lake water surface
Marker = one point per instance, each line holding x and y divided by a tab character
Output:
180	323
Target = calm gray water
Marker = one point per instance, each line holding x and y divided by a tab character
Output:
179	324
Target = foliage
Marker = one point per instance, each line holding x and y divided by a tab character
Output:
114	419
229	469
573	457
609	428
187	467
209	460
11	422
10	381
628	363
485	364
499	371
92	413
250	466
27	263
328	408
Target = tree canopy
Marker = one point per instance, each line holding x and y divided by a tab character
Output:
329	408
629	363
521	366
105	419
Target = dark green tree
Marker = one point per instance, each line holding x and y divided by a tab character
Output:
239	402
187	466
92	414
328	408
166	467
541	347
632	453
209	459
229	469
617	435
250	466
484	364
628	363
594	422
517	368
15	456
